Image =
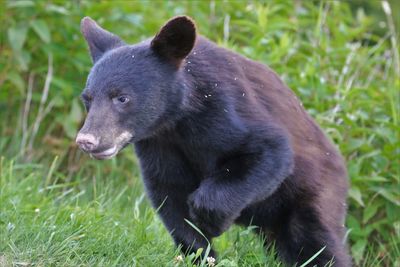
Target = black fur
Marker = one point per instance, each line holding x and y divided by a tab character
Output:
220	139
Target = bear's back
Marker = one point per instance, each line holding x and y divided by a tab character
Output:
256	93
255	90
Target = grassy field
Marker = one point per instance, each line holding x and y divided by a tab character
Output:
58	207
100	220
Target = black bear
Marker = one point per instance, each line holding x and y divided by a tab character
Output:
220	140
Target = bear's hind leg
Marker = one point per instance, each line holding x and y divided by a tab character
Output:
303	235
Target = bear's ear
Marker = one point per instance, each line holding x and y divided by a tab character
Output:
175	40
98	39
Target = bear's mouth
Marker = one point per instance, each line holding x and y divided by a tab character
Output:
105	154
119	143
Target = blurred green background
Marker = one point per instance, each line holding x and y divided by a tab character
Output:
340	57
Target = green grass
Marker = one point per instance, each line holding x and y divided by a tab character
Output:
101	221
340	58
104	220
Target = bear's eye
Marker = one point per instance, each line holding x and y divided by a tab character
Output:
86	99
121	99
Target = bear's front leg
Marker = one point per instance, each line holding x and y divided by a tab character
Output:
212	218
169	181
241	180
170	202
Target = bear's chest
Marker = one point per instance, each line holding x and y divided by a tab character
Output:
205	152
202	146
195	151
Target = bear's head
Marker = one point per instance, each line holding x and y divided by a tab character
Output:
132	90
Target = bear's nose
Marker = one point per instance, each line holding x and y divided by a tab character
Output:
87	142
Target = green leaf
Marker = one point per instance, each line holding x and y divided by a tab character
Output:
353	168
373	178
355	194
352	222
64	85
20	3
388	195
75	114
198	253
354	144
16	79
71	121
57	9
227	262
369	212
69	128
42	30
392	211
377	178
58	101
23	58
17	37
357	250
397	228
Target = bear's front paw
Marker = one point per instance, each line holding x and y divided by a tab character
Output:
212	222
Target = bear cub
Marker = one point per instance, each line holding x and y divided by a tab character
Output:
221	140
